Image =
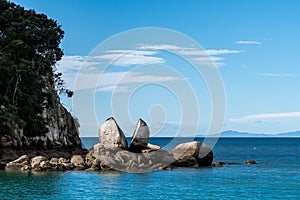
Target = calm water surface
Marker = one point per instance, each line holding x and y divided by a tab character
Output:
276	176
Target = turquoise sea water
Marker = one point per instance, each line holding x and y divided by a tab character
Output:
276	176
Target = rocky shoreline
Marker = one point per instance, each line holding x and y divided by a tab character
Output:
113	153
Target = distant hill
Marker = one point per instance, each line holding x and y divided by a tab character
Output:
231	133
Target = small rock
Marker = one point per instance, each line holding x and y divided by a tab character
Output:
96	164
217	164
146	150
19	164
153	147
166	168
63	160
68	166
54	161
16	166
221	163
45	165
35	162
25	168
78	162
89	159
250	162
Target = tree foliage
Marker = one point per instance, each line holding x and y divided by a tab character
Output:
29	48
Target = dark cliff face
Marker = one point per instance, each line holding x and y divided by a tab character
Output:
62	131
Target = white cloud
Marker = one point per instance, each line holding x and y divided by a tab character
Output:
125	57
159	47
247	42
114	88
133	52
213	52
190	51
70	63
203	57
209	52
207	59
277	75
131	59
120	82
261	117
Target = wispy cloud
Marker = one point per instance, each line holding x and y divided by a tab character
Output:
261	117
201	56
191	51
213	52
114	88
247	42
277	75
159	47
128	59
206	59
120	82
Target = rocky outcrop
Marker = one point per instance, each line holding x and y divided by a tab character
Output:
62	131
111	136
112	153
142	156
192	154
123	160
140	137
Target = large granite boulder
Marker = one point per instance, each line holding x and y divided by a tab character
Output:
122	160
192	154
140	137
20	164
111	136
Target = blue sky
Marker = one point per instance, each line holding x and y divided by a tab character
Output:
254	45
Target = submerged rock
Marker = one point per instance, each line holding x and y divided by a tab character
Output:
192	154
140	137
221	163
217	164
110	135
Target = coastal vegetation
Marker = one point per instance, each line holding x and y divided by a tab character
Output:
29	82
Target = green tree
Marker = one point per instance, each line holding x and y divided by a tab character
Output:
29	49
